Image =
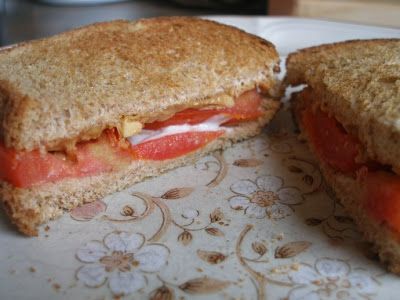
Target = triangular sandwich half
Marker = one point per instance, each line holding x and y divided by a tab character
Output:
350	115
91	111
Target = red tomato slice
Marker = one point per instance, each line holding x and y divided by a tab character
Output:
247	107
25	169
28	168
331	142
382	198
172	146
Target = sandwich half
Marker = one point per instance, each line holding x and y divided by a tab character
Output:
91	111
349	113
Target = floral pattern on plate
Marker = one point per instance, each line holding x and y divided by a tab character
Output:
331	279
266	196
122	259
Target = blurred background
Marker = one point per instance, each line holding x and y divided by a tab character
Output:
29	19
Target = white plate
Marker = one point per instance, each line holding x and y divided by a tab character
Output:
290	33
197	238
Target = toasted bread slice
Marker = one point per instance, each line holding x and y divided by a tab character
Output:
349	191
72	86
358	82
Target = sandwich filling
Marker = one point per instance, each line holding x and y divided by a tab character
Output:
341	151
184	132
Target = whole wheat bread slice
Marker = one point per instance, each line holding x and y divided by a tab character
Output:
63	87
359	83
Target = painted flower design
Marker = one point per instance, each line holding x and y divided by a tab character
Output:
331	279
121	258
266	196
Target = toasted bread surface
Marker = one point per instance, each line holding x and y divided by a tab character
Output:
65	86
358	82
349	192
30	207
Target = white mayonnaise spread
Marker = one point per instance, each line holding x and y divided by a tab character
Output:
212	124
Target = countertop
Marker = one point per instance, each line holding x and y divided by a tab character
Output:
25	20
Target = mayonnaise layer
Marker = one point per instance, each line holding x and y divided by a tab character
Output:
212	124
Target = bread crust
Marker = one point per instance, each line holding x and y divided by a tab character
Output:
61	87
30	207
349	192
358	82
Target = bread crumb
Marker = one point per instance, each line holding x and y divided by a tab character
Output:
284	269
56	286
295	266
47	228
274	270
199	270
32	270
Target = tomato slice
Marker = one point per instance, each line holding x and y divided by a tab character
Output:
330	140
173	146
382	198
381	189
247	107
28	168
25	169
